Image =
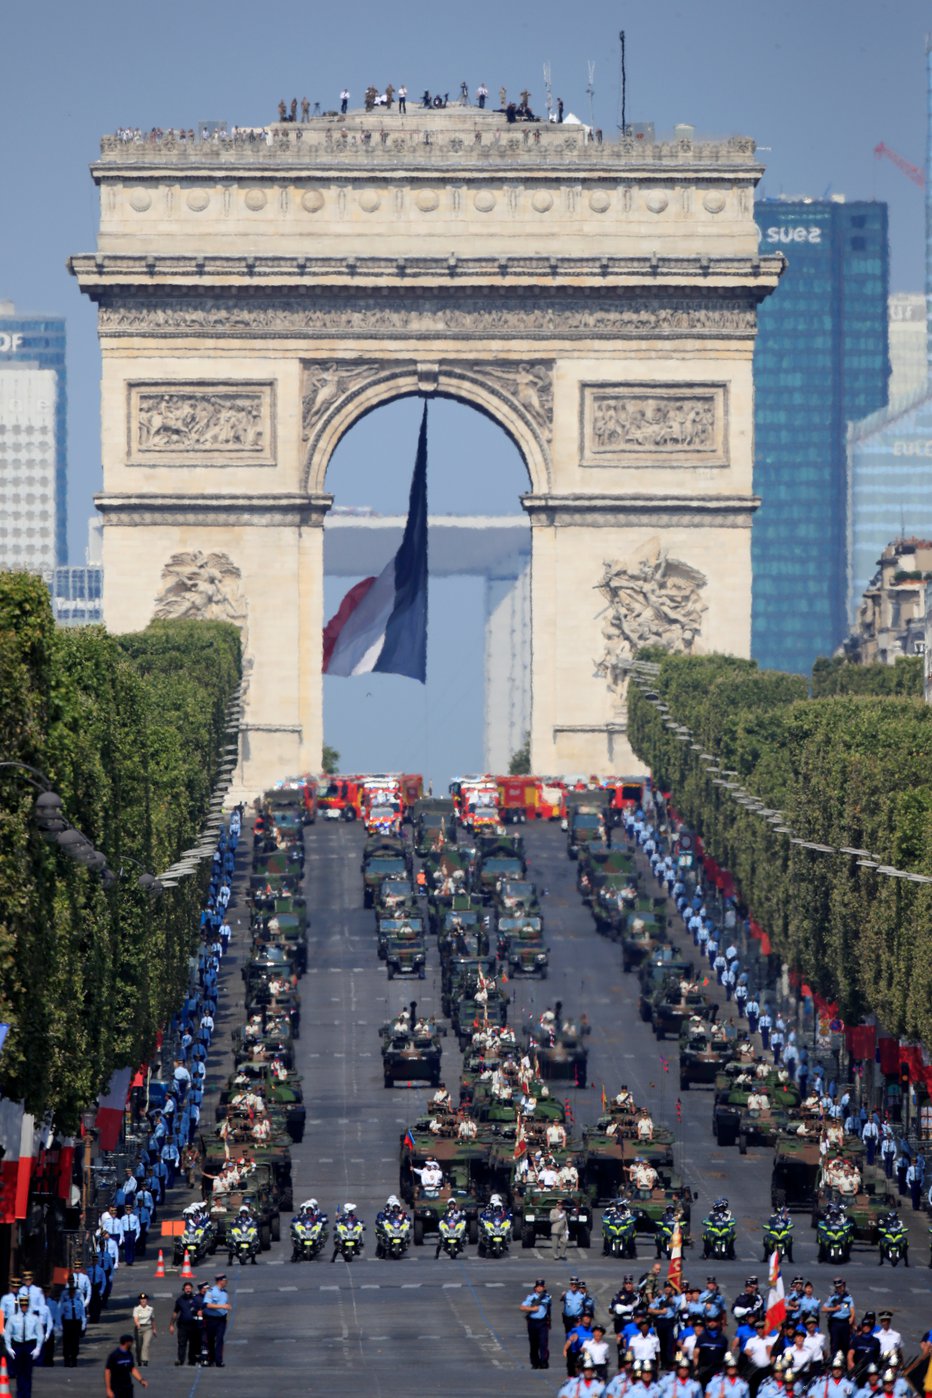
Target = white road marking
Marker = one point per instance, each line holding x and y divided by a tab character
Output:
287	1288
411	1286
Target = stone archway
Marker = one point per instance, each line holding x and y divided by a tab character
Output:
258	296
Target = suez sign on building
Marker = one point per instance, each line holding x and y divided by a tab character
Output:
10	342
801	233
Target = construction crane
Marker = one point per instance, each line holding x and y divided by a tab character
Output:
912	172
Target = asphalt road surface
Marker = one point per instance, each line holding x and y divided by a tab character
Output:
440	1327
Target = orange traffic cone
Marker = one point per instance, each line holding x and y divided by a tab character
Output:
186	1273
159	1271
5	1390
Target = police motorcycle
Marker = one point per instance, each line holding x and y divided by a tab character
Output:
778	1236
308	1232
348	1231
198	1238
494	1228
893	1239
666	1227
835	1235
718	1231
243	1240
392	1230
452	1231
619	1230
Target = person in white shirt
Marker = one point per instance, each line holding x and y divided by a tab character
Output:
891	1341
816	1344
645	1345
758	1347
597	1350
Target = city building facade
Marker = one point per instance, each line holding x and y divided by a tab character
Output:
891	617
39	341
889	486
821	361
28	460
906	322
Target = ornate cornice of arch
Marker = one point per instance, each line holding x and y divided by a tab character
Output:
516	394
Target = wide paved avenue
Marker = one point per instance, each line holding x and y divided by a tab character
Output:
442	1327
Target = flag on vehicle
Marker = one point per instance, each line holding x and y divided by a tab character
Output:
408	1140
604	1099
381	624
776	1299
675	1269
520	1139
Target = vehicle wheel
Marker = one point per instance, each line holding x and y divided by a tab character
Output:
789	1253
821	1254
472	1230
730	1252
894	1260
418	1232
254	1259
391	974
585	1236
582	1081
265	1237
660	1033
527	1237
684	1083
742	1143
388	1080
644	1013
276	1228
763	1253
626	965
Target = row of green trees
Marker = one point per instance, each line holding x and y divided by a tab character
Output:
129	729
852	771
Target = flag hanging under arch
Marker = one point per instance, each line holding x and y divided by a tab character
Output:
381	623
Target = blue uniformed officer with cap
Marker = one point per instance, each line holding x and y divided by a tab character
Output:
216	1312
536	1307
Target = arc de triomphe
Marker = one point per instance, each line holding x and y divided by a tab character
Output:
258	296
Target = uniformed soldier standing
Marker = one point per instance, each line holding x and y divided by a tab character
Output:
840	1311
216	1311
73	1325
536	1307
23	1339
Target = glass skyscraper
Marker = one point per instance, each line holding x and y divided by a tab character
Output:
821	361
40	340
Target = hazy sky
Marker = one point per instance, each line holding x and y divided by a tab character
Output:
818	83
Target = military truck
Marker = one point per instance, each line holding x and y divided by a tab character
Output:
468	1011
735	1122
466	1176
794	1178
531	1205
521	947
381	868
558	1046
262	1190
281	1090
434	821
405	953
671	1007
584	825
496	868
393	927
703	1052
412	1055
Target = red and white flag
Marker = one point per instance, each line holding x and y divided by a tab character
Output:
110	1108
520	1139
776	1297
675	1269
16	1137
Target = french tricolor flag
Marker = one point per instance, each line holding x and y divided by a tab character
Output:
381	624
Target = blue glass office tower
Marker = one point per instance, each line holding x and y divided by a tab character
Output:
820	362
40	340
